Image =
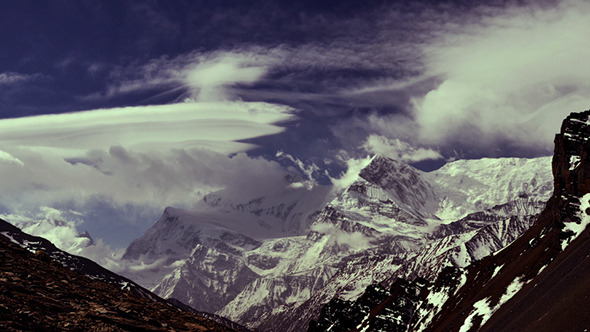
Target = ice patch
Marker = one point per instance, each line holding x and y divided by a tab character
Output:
574	162
482	307
574	227
496	270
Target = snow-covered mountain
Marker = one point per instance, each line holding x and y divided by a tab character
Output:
272	262
535	282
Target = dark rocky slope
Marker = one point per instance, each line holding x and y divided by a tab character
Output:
37	293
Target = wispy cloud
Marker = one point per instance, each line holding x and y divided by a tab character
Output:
203	76
7	157
9	78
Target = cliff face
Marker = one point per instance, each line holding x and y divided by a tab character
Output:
511	291
571	166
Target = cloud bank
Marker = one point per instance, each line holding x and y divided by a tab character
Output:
512	76
398	150
216	126
120	167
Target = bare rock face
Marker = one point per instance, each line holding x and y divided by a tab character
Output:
571	169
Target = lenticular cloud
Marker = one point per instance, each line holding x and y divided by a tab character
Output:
140	158
212	125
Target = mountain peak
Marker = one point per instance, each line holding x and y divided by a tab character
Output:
402	182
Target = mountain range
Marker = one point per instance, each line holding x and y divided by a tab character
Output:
271	263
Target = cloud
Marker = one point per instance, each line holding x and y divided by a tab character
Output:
7	157
353	168
398	150
309	170
354	240
9	78
209	80
212	125
57	226
512	76
123	192
203	76
123	164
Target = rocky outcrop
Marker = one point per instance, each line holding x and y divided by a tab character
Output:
571	168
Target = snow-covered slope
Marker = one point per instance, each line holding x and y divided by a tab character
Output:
467	186
276	260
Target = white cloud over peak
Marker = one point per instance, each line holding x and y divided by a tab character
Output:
398	150
353	168
210	80
513	76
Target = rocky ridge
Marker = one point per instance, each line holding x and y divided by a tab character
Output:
39	294
83	267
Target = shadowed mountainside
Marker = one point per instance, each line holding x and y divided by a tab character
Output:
37	293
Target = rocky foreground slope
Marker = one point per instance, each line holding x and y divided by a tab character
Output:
40	293
537	283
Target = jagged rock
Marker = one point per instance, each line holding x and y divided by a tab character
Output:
570	167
